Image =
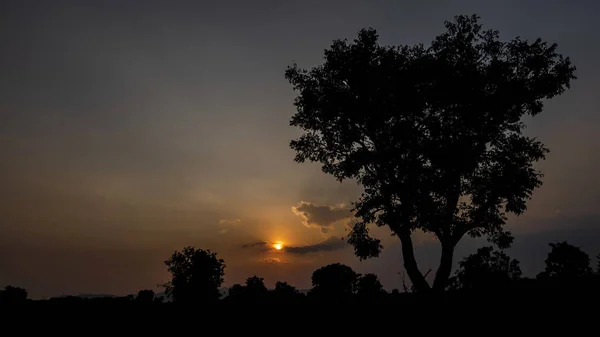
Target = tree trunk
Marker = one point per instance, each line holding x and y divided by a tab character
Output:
445	267
410	264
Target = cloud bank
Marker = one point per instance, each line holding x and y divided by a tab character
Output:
321	216
331	244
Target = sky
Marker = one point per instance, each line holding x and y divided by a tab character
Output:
130	129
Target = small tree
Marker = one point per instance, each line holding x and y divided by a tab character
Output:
433	134
145	296
286	293
285	288
196	275
256	289
486	270
256	284
13	295
368	287
236	293
334	281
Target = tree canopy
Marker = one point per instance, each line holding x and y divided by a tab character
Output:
566	264
486	270
13	295
368	287
334	280
196	275
145	296
433	134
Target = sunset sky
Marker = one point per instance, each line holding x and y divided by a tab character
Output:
130	129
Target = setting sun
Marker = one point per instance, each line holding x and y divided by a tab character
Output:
278	246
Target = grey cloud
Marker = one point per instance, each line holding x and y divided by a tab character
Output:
321	216
331	244
255	244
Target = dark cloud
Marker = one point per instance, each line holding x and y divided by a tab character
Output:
321	216
331	244
258	244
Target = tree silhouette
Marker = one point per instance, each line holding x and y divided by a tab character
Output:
145	296
256	284
335	281
368	287
236	293
286	293
486	270
196	275
13	295
566	265
285	288
433	134
256	289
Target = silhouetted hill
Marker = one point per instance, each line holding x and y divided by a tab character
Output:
90	296
224	293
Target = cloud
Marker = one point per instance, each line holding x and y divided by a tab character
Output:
331	244
271	260
229	222
258	244
321	216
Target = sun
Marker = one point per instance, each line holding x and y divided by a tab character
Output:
278	246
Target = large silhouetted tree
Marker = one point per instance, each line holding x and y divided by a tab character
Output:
486	270
433	134
196	275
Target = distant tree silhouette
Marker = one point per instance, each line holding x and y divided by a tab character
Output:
256	284
236	293
486	270
13	295
285	288
196	275
598	264
334	282
286	293
566	265
255	289
368	287
145	296
433	134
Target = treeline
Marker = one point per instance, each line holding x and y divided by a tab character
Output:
197	277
